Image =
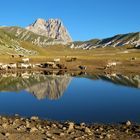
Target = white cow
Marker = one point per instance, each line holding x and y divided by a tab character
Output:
36	65
57	60
4	66
111	64
12	65
25	60
26	65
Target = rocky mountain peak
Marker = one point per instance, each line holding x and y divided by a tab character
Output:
53	28
39	22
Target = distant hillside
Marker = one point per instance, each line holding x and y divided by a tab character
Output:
18	40
130	39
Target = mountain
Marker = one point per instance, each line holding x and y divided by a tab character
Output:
33	39
130	39
53	28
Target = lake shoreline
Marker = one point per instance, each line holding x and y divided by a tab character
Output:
14	127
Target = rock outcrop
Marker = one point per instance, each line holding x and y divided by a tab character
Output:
53	28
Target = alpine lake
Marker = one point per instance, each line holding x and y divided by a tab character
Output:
110	98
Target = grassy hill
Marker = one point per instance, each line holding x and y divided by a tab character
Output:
16	40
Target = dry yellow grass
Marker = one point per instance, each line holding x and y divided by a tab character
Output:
58	51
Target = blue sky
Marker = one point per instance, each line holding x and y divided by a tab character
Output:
85	19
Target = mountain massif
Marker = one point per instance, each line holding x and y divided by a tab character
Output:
44	33
53	28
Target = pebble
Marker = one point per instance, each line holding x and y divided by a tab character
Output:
48	127
33	129
101	137
62	134
28	124
82	124
80	138
87	130
54	125
34	118
4	125
108	136
49	135
128	123
4	118
64	128
101	129
71	127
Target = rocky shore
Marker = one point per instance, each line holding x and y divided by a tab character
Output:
15	128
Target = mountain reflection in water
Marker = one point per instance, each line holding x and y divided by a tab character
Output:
53	86
41	86
130	81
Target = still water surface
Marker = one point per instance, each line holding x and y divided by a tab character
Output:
103	99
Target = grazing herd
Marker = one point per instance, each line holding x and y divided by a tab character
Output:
21	65
25	64
54	64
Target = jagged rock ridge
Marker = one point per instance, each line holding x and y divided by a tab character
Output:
53	28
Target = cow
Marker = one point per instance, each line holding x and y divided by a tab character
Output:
110	64
82	67
36	65
26	65
56	60
12	66
25	60
4	66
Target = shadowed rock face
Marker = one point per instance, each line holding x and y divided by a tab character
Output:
40	86
53	28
